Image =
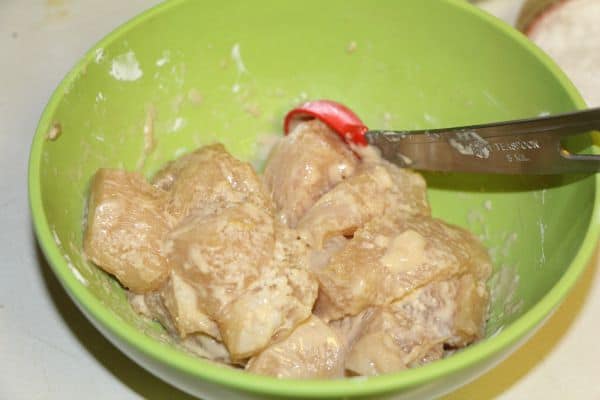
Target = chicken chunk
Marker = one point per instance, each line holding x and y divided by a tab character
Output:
292	248
390	257
471	309
221	255
126	224
206	346
313	350
208	180
303	166
185	309
268	310
452	311
351	328
414	330
151	306
373	190
389	345
330	264
276	302
319	258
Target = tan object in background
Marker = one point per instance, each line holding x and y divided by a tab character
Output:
531	10
569	32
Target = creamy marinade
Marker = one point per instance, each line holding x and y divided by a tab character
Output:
326	265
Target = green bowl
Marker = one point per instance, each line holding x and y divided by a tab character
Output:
229	73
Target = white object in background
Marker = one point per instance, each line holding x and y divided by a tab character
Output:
570	33
508	10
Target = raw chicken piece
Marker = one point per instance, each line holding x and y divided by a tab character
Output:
230	259
277	301
125	229
208	180
313	350
181	301
268	310
206	347
292	248
353	243
413	331
319	258
373	190
351	328
451	311
221	255
472	303
151	306
390	344
391	256
303	166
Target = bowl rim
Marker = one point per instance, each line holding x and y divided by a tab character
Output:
97	312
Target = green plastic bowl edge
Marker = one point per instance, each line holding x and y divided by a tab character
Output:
265	385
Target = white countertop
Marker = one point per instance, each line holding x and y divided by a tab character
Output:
48	350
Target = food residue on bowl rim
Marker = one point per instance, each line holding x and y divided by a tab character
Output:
164	59
148	132
54	132
125	67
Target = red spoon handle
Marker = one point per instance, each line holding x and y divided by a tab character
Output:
337	116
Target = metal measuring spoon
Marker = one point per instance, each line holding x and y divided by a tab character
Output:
526	146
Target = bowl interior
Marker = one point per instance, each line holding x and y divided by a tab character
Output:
197	74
